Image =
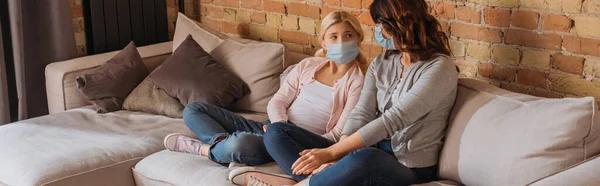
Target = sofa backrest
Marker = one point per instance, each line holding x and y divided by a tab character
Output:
498	137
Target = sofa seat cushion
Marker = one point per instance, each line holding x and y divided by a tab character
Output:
175	168
81	147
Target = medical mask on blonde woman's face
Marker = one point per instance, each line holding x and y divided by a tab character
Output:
343	53
387	43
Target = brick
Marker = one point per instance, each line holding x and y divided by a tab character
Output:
479	51
307	25
467	68
445	27
293	37
582	45
259	17
367	32
215	12
252	4
326	10
491	71
468	14
212	24
314	41
525	19
506	55
557	22
587	26
274	20
243	16
206	1
476	32
366	4
499	3
533	39
443	10
536	59
568	64
263	33
333	2
532	78
289	22
229	14
274	6
496	17
316	2
573	6
457	48
365	18
294	47
76	11
226	3
352	3
236	28
372	50
574	85
591	6
305	10
592	68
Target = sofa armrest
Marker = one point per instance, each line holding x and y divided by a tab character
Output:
60	76
584	173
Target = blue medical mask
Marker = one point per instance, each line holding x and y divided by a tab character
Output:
387	43
343	53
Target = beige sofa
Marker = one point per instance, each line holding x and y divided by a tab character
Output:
495	137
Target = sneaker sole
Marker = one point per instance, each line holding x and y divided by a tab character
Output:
238	176
171	143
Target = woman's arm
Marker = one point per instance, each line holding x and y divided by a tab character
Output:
353	96
436	82
365	109
281	101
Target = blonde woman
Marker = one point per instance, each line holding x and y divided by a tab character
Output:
316	97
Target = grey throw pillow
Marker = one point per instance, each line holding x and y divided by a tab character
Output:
108	85
192	75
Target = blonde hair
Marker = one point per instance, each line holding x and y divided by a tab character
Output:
336	17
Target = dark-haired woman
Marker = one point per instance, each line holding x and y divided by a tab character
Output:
394	134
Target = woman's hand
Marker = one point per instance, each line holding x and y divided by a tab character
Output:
323	167
311	160
265	127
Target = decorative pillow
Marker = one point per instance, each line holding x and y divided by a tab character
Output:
497	137
149	98
107	86
258	64
204	36
191	74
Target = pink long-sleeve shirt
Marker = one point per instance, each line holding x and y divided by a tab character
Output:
346	92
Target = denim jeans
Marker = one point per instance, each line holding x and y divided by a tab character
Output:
376	165
232	137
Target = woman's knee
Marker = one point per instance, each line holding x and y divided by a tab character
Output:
276	130
194	107
244	142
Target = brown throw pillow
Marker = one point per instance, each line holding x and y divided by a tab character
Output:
191	74
149	98
107	86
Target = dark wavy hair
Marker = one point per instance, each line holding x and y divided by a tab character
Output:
414	29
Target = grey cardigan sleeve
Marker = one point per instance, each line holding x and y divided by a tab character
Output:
366	108
437	80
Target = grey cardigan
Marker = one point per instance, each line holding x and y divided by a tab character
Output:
417	118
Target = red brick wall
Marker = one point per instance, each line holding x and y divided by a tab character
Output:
78	24
548	48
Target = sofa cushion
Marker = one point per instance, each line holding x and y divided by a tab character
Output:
149	98
584	173
496	137
204	36
108	85
81	147
258	65
192	75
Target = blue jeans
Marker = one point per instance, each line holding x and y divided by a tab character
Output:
232	137
376	165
